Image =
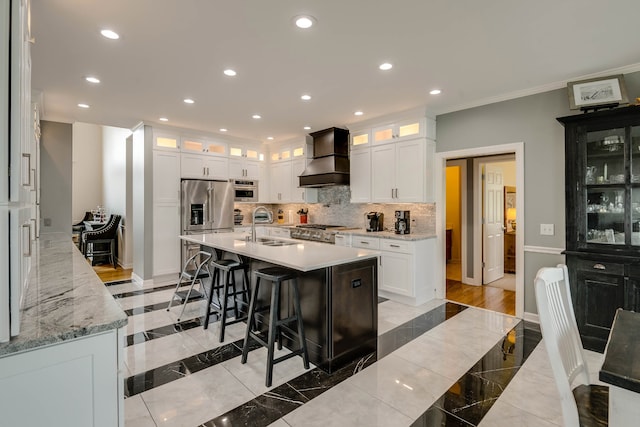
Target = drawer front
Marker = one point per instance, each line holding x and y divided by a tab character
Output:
599	266
365	242
396	246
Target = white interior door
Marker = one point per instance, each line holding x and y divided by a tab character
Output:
492	230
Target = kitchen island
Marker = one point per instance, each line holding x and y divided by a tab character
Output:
338	292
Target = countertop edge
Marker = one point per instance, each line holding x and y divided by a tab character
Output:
64	300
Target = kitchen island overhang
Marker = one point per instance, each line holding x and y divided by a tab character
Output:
338	292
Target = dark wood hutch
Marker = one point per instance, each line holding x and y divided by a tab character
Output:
602	182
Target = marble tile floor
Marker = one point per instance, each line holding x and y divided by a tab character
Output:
440	364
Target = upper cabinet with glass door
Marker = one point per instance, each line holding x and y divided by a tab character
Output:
399	131
204	146
603	180
245	159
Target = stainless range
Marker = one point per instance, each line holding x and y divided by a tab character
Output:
317	232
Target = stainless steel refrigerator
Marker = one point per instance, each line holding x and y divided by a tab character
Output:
205	207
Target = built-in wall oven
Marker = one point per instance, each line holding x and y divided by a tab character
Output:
245	190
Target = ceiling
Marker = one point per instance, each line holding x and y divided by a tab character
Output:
475	52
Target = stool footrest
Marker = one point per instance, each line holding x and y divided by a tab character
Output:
182	295
287	320
288	356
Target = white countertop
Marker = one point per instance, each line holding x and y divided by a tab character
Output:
302	255
65	298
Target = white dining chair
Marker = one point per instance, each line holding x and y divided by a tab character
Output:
583	403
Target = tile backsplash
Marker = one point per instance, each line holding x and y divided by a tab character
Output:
334	208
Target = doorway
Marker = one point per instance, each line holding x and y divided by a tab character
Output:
463	200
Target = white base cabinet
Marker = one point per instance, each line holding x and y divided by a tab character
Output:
76	383
405	268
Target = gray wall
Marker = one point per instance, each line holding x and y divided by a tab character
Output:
55	177
532	120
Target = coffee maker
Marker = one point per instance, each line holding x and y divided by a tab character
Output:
373	221
403	219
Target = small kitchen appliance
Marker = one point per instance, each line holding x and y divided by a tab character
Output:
403	219
373	221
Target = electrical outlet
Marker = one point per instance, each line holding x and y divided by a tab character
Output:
47	222
546	230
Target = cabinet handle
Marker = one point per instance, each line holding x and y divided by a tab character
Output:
364	243
207	171
26	157
395	246
28	227
599	267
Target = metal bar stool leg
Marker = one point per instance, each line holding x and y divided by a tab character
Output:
223	303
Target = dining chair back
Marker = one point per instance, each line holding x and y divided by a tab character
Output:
581	402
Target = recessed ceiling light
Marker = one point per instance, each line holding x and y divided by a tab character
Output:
92	79
386	66
435	92
223	130
305	97
189	101
229	72
256	116
304	21
307	128
163	119
358	113
110	34
83	105
270	138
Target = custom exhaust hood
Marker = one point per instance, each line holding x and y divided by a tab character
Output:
330	164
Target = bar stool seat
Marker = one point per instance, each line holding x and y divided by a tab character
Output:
224	279
194	270
275	275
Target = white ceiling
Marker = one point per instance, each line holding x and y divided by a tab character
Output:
475	51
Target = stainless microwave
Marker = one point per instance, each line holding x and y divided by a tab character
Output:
245	190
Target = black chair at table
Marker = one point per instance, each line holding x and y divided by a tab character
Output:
77	229
101	242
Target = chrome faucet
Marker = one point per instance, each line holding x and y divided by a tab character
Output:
253	220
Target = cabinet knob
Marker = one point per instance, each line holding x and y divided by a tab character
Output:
599	267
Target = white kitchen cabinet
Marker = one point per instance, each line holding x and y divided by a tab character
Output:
203	145
301	194
163	140
396	267
399	131
405	268
243	168
203	166
402	172
166	212
360	139
244	160
360	175
88	369
280	191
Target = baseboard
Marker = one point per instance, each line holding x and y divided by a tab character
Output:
531	317
139	280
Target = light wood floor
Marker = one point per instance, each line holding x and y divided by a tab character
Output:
496	299
491	298
107	273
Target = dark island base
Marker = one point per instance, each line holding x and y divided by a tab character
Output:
339	311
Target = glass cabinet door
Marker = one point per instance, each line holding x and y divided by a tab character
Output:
635	185
605	178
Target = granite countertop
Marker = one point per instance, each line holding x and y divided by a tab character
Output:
300	255
388	234
621	365
65	298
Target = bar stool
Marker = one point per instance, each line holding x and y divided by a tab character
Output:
276	275
194	270
224	270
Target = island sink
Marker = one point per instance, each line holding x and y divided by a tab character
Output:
268	242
